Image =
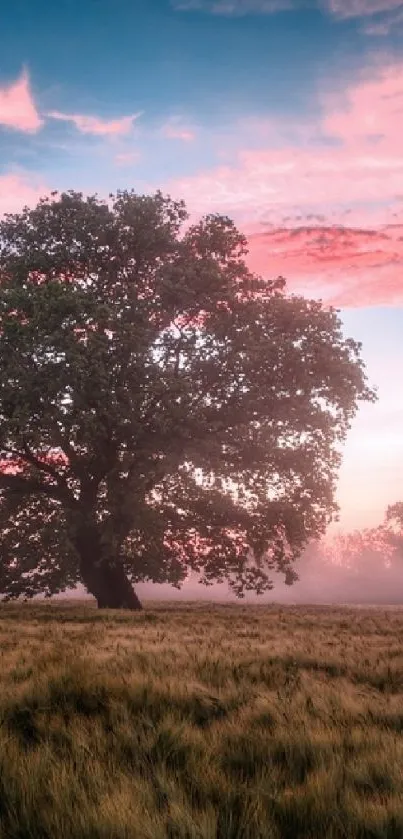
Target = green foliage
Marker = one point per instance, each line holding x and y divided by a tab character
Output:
115	726
167	410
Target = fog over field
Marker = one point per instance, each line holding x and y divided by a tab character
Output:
322	581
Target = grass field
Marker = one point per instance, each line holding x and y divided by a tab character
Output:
201	722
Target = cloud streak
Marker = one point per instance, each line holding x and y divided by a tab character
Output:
379	16
177	132
95	125
342	9
383	25
361	8
128	158
17	107
234	8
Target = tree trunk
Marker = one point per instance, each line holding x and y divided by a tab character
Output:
106	582
113	590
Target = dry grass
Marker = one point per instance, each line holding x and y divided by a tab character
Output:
201	722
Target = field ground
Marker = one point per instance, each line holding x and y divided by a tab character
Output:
201	722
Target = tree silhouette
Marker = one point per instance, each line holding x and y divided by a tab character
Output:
162	410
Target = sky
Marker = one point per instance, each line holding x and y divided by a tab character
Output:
286	115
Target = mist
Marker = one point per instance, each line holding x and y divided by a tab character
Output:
327	575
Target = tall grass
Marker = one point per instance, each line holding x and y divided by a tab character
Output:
201	722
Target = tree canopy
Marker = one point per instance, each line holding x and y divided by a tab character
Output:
162	409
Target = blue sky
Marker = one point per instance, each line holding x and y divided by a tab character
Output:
113	57
284	114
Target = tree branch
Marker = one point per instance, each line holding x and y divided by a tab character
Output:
27	486
47	468
16	483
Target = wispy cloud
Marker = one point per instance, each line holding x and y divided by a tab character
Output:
127	158
17	106
339	8
361	8
383	25
95	125
175	130
377	17
236	8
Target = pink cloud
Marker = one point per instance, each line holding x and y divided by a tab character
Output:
95	125
371	117
127	158
17	107
353	160
378	17
383	24
361	8
341	9
237	8
175	132
17	191
347	266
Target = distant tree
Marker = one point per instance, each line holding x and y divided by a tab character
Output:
362	565
394	527
370	558
394	516
162	410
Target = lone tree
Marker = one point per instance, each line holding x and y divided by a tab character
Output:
162	410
